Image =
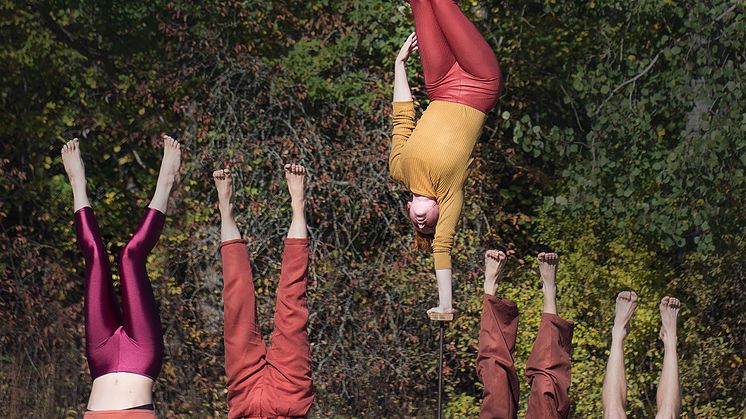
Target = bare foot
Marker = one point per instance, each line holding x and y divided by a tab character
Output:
669	314
548	263
224	185
168	174
296	178
75	173
494	263
171	161
73	162
626	304
295	175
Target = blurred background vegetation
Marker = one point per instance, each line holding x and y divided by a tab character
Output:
619	143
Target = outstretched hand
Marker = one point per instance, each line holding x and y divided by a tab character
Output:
409	46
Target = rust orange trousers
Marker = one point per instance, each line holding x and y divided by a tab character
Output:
547	368
262	382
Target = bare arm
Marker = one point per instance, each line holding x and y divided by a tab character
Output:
402	93
403	111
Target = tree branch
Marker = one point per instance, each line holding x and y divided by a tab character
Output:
632	80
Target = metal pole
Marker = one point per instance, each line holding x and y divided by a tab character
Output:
440	371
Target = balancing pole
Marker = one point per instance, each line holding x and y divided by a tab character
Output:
442	319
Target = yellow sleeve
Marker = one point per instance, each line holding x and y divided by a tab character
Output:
449	209
403	115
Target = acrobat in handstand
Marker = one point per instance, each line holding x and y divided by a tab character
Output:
615	383
262	382
548	366
124	347
431	157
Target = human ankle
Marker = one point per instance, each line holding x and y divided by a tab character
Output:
77	181
298	205
669	342
226	210
619	332
166	183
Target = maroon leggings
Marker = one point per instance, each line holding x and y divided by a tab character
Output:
130	341
458	63
547	368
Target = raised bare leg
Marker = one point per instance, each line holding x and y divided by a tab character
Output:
224	185
548	271
168	174
615	383
494	264
296	178
669	392
75	173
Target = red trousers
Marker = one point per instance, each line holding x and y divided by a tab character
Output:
274	382
547	368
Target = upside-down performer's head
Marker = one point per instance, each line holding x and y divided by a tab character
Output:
423	212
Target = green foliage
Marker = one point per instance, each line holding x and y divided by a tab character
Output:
658	148
619	142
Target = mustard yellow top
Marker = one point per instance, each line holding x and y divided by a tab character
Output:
432	159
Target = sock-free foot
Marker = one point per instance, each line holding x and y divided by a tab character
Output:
73	162
75	170
295	175
548	263
171	162
626	304
494	264
224	185
669	308
168	174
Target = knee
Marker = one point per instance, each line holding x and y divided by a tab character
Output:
94	251
134	250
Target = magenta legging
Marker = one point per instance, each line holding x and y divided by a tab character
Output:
458	63
130	341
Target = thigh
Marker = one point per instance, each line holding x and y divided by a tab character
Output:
471	50
102	316
435	54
